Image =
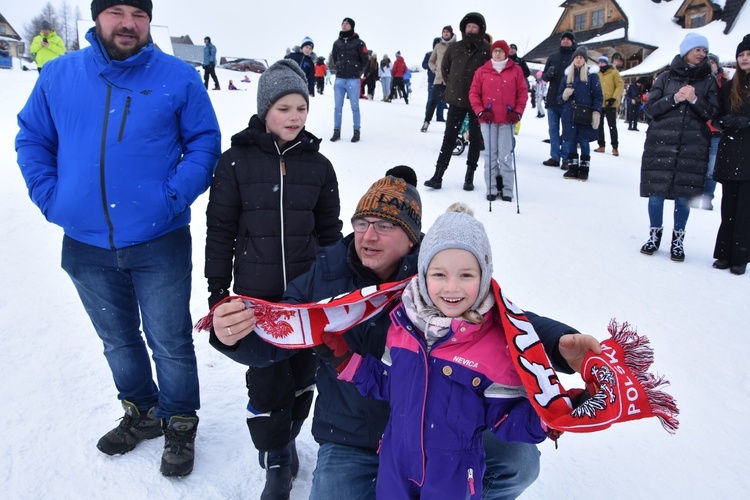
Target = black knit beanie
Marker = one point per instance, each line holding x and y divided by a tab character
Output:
99	5
569	35
743	46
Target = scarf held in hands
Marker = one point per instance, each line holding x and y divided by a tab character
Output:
618	384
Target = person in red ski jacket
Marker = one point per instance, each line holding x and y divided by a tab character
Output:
498	96
397	72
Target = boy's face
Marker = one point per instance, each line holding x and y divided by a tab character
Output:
286	117
307	50
453	279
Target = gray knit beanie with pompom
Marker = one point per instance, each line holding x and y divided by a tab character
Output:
457	228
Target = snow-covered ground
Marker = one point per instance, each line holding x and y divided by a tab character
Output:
571	254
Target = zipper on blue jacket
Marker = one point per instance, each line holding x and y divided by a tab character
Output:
125	114
102	164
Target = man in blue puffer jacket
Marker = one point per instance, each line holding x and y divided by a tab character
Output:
116	141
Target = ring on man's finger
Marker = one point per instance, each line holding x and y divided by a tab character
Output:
229	330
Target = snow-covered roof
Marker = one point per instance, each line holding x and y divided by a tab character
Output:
652	24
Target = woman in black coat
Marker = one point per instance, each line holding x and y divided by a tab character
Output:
675	155
733	168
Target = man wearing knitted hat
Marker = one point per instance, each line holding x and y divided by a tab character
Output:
47	45
554	73
434	64
209	63
612	88
263	225
349	56
115	143
383	247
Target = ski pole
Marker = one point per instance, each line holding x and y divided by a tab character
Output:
513	155
488	162
488	180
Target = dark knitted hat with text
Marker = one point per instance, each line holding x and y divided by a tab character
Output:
99	5
395	200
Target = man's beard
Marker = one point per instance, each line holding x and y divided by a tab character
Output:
115	52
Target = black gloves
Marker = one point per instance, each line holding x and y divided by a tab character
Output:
734	121
217	296
610	102
550	74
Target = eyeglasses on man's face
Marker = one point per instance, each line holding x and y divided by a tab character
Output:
381	227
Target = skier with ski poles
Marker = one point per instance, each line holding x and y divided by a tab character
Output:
499	83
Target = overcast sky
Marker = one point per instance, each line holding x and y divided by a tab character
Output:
264	29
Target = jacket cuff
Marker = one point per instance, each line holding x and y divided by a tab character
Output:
351	368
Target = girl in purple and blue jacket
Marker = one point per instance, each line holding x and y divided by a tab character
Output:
448	359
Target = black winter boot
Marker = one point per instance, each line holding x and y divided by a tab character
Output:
572	172
469	178
355	137
436	182
336	135
654	240
676	250
296	428
424	127
583	168
134	428
179	446
278	473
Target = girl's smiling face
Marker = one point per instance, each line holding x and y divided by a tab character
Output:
453	279
286	117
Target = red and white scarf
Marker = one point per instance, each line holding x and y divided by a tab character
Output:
619	385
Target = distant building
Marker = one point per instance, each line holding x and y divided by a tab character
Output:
636	29
10	40
185	49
